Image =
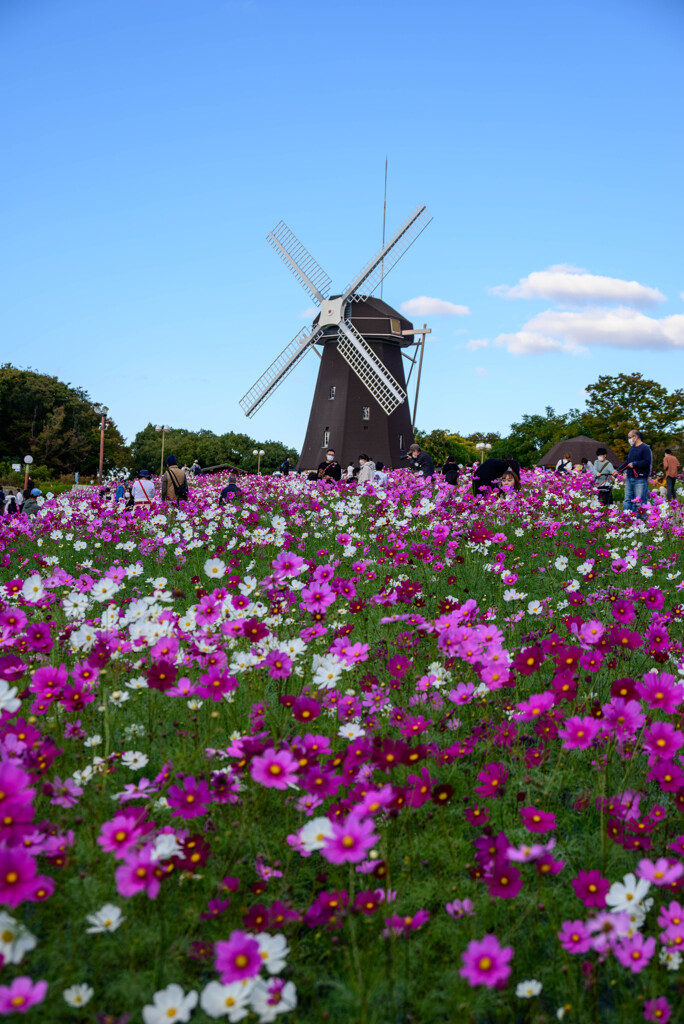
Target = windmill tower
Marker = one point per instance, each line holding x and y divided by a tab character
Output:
360	402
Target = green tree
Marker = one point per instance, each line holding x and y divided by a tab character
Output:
440	443
54	422
629	401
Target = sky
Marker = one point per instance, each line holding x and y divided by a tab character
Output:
150	145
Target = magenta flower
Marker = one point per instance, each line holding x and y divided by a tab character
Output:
238	958
661	691
662	741
19	879
486	962
591	888
537	704
21	994
395	924
125	828
578	733
575	937
279	664
317	597
64	793
306	709
535	820
137	873
503	880
276	769
635	951
350	841
623	717
491	779
460	908
663	872
190	800
657	1010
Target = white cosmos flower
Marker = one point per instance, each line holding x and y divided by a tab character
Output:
313	835
627	894
561	563
166	845
171	998
78	995
535	608
33	589
119	697
273	950
215	568
231	1001
671	958
528	989
104	589
350	731
106	919
8	697
15	939
134	759
270	998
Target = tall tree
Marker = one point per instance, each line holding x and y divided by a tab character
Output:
629	401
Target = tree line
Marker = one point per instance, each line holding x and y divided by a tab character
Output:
57	424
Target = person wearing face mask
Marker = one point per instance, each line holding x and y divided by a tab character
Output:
330	469
637	469
366	472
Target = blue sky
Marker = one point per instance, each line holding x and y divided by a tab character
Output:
150	145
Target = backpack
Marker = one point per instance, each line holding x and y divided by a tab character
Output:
182	491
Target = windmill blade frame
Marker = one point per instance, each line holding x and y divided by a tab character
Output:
370	370
389	255
280	368
313	279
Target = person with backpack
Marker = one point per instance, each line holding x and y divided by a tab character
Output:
602	472
564	465
285	465
11	504
174	482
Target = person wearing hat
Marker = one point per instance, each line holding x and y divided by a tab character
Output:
420	460
31	506
142	491
173	480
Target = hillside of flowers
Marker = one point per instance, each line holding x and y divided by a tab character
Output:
322	755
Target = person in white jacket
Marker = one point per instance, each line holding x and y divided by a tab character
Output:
366	473
142	490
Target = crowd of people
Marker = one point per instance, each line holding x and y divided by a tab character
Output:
493	476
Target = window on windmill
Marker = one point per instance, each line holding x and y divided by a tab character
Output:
326	438
401	442
366	412
333	389
395	325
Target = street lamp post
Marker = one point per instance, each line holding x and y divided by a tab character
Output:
258	452
28	459
482	447
163	430
101	411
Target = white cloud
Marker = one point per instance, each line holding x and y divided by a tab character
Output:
572	286
423	305
481	372
309	313
576	333
476	343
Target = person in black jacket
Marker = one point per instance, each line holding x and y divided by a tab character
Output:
330	469
491	470
637	469
450	470
420	461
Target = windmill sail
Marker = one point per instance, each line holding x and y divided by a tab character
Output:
370	370
380	265
279	369
299	260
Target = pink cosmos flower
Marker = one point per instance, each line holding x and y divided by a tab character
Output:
190	800
460	908
657	1010
591	888
19	879
623	717
317	597
350	841
486	962
578	733
634	951
137	873
503	880
21	994
287	564
537	704
535	820
661	691
491	779
279	664
575	937
276	769
398	925
662	740
123	831
662	872
237	959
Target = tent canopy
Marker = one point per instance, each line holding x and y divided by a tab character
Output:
578	448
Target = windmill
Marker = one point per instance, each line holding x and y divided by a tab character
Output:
360	401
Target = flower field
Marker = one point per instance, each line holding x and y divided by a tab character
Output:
318	755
